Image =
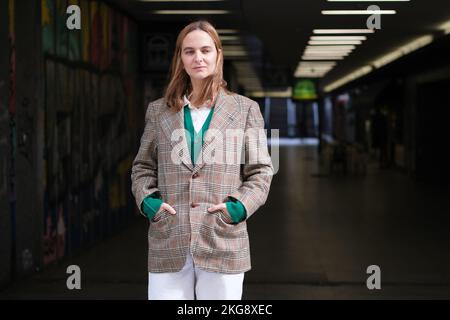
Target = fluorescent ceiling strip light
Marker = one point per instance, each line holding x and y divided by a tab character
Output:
272	94
323	58
234	53
193	12
354	12
342	31
325	54
316	74
303	67
229	38
306	67
342	38
233	48
321	54
402	51
346	46
311	72
314	68
334	42
336	47
445	27
311	66
181	0
368	0
227	31
305	75
350	77
316	63
388	58
330	48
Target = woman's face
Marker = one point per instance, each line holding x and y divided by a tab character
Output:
199	55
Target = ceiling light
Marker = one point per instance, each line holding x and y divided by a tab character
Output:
308	69
180	0
334	42
344	47
350	77
234	53
233	48
323	58
445	27
402	51
331	38
322	63
191	12
351	12
273	94
339	31
388	58
229	38
330	48
368	0
227	31
325	53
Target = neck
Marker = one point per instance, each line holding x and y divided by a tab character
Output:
196	87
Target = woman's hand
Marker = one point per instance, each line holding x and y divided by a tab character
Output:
221	206
167	207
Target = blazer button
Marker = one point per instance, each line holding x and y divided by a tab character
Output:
193	204
195	175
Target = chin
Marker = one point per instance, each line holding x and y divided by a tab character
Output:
200	76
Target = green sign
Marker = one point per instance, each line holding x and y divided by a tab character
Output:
304	90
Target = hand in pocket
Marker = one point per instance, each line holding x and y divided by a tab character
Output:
167	207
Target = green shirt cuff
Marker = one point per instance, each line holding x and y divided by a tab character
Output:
151	205
236	210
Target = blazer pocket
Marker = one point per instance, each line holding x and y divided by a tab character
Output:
160	215
225	218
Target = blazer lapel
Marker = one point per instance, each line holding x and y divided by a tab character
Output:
170	122
225	110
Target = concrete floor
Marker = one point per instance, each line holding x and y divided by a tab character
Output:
314	239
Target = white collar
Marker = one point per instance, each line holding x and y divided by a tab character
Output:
188	103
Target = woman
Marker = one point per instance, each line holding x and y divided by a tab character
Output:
197	202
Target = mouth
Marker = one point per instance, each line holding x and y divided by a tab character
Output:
199	68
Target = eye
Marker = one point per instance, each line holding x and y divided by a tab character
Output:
189	52
206	50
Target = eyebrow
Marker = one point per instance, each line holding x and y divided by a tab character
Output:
190	48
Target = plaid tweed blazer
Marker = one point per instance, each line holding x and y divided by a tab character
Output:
163	164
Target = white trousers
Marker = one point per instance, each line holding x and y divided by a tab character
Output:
191	282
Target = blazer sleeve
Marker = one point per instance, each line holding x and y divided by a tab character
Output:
257	169
144	171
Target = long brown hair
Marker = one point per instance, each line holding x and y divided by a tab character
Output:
180	84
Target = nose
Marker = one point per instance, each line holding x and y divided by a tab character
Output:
198	57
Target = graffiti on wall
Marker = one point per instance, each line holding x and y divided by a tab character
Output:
12	123
89	113
4	122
